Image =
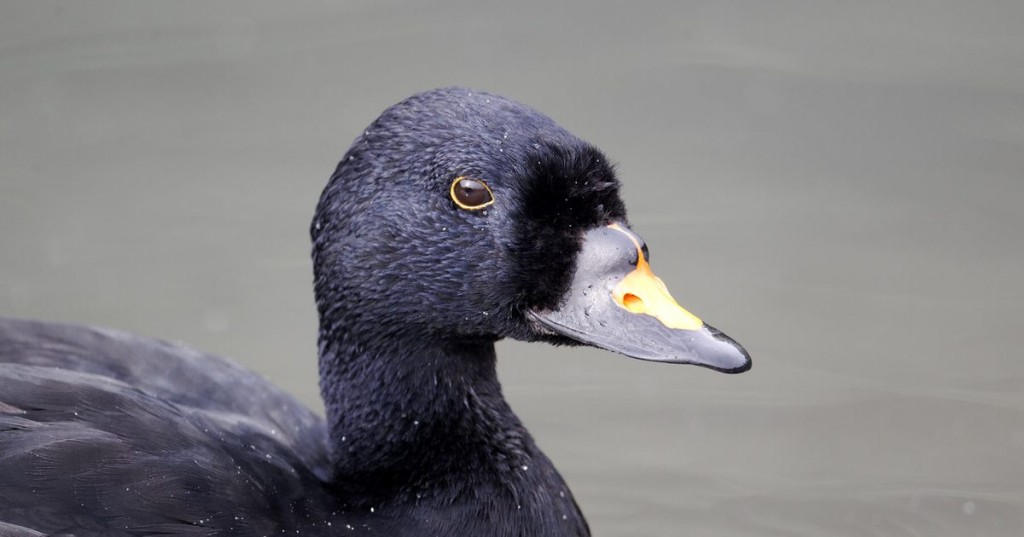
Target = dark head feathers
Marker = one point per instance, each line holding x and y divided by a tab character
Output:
390	192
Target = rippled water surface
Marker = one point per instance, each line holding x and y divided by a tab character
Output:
839	188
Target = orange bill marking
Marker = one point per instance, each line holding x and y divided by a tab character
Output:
642	292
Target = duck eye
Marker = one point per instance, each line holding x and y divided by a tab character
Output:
471	194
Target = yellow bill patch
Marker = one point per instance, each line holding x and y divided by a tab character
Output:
642	292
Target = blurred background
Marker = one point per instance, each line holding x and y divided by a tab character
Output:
838	186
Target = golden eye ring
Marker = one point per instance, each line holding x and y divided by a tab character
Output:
470	194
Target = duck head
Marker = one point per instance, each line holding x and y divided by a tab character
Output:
463	216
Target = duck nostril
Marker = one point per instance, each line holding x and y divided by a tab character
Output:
633	303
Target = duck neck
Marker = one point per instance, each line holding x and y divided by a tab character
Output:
421	423
398	408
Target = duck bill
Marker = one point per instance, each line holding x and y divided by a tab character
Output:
617	303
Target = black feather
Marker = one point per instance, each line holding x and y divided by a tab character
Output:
102	433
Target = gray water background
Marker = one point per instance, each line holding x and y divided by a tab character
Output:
839	186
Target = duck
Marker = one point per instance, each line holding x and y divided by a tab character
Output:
456	219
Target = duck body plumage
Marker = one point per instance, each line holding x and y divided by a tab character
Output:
97	434
233	455
104	433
